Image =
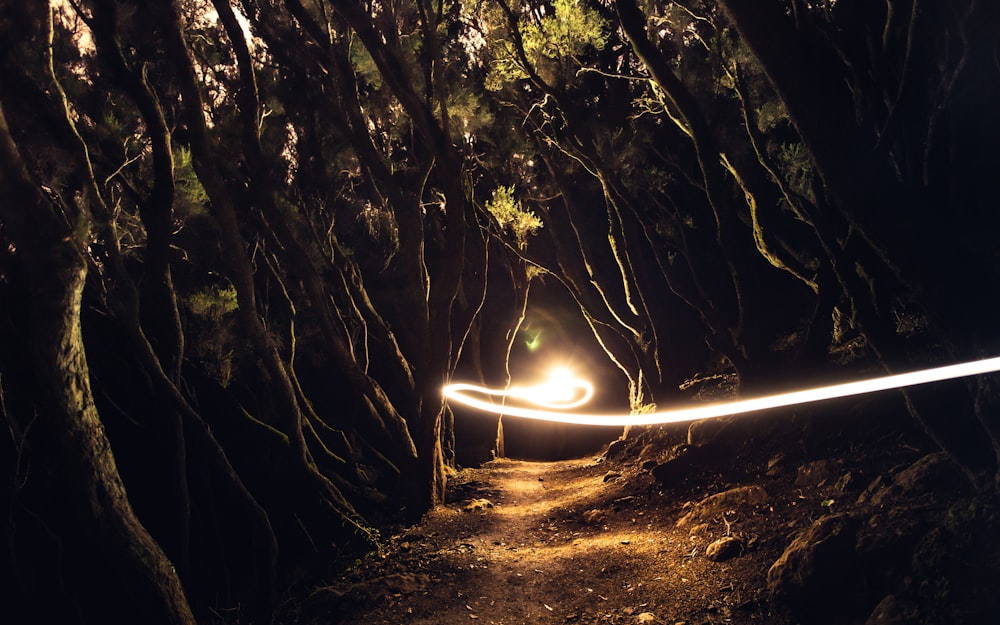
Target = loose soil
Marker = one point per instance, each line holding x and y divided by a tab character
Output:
611	539
556	542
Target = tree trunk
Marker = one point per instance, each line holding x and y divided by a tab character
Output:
74	436
898	236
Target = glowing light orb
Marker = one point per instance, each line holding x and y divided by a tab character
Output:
563	391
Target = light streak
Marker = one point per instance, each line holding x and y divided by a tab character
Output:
563	391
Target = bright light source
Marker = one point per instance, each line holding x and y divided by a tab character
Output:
563	391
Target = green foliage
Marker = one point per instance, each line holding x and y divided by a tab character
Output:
770	114
566	33
381	227
796	162
469	115
365	65
212	303
508	212
110	127
190	198
210	330
561	36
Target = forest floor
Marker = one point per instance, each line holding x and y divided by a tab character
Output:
650	531
561	542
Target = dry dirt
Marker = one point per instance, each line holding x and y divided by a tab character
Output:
564	542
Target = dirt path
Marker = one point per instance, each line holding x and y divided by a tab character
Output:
561	542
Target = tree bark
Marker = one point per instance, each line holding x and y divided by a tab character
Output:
750	276
81	453
155	304
437	350
877	204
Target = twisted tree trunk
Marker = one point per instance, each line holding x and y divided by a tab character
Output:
75	440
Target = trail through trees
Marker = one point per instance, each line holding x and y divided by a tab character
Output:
244	244
551	542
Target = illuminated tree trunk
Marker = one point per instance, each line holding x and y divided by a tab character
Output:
437	335
76	443
301	252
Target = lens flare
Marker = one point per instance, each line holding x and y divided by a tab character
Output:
564	391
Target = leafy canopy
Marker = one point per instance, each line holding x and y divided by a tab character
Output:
512	216
560	36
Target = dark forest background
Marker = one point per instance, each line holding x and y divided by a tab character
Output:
244	243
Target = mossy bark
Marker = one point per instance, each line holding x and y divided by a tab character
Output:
74	439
